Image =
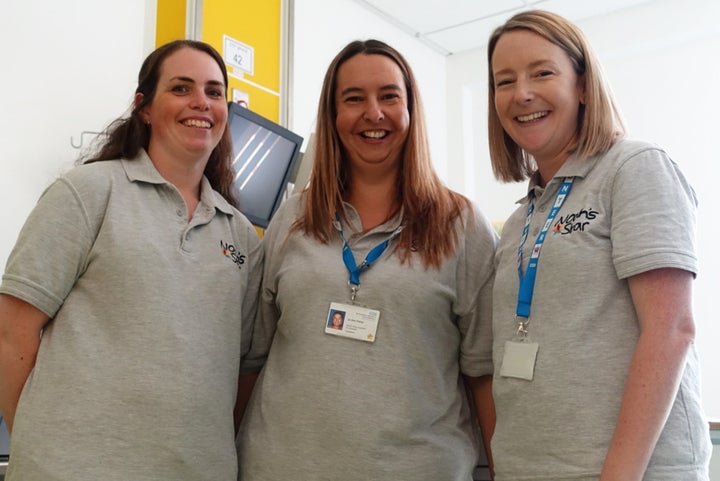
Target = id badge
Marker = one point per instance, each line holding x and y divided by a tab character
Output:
519	359
352	321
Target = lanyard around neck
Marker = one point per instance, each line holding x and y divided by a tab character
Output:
527	281
355	270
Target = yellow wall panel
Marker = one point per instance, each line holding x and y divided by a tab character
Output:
262	102
257	25
170	21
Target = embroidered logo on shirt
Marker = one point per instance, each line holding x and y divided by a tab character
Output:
231	253
577	222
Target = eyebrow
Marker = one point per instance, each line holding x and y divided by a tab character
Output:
532	65
358	89
190	80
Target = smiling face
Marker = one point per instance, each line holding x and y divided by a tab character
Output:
337	320
537	95
188	113
372	111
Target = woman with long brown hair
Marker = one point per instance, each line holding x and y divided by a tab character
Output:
378	236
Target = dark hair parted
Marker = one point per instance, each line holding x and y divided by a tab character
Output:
599	120
125	136
429	208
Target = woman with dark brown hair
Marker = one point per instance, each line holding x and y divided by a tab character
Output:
128	301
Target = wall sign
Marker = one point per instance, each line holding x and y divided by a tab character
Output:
238	55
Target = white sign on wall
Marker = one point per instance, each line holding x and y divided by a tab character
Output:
238	55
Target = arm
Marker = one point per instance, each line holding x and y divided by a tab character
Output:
247	378
20	328
246	383
484	407
662	300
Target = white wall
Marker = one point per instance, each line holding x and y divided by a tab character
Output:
665	77
67	66
323	28
661	59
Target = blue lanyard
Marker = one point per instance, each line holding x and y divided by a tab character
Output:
527	281
349	259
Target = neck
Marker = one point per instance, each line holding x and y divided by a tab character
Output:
549	165
548	168
374	199
184	175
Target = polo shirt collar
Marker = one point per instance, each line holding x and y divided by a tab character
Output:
211	197
573	167
142	169
356	224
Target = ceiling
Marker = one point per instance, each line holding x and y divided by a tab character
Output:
452	26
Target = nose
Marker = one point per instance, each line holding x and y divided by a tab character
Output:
523	91
373	111
200	101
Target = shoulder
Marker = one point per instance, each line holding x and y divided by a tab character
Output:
643	162
477	228
95	179
288	212
471	213
636	162
633	150
631	146
281	224
94	172
243	228
86	183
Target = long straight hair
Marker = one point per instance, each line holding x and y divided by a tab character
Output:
429	208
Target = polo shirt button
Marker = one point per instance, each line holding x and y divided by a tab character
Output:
179	213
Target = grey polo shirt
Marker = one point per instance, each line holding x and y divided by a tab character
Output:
332	408
630	210
136	376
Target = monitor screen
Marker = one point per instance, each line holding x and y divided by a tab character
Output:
303	167
265	154
4	442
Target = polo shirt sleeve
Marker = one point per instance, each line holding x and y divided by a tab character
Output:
653	215
250	296
51	251
267	312
475	275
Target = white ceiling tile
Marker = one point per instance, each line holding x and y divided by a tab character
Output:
468	36
452	26
574	10
427	16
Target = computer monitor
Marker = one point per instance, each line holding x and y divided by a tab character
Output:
4	445
265	154
300	175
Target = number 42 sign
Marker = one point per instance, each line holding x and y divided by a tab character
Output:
238	55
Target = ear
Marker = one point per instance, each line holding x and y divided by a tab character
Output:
581	88
144	115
